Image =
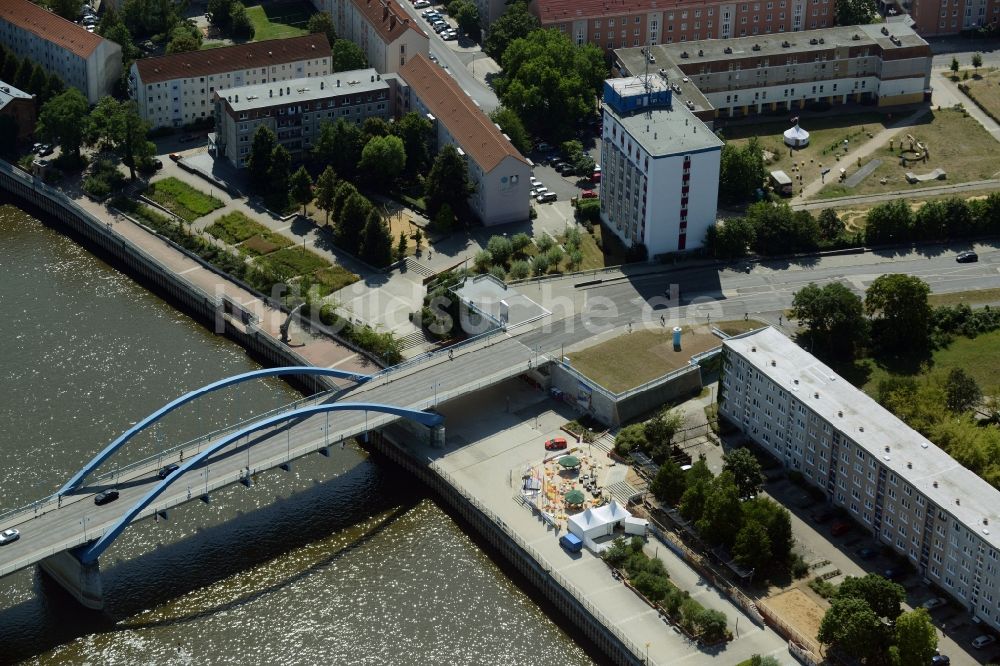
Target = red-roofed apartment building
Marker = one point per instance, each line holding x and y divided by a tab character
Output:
81	59
616	24
383	29
499	172
176	90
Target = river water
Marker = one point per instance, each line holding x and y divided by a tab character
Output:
342	560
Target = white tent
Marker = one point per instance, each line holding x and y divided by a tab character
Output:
594	523
636	526
796	137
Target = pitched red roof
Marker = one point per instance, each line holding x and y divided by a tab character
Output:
388	18
473	130
50	27
232	58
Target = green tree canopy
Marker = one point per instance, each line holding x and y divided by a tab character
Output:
752	546
916	639
511	125
301	188
259	162
888	222
746	471
630	438
897	305
383	159
278	175
240	25
448	181
500	249
376	240
882	596
322	22
184	37
551	83
63	120
468	20
326	188
741	170
339	145
855	12
962	390
851	626
343	192
830	225
669	483
68	9
415	131
731	238
780	230
721	515
833	316
347	56
515	23
351	221
778	523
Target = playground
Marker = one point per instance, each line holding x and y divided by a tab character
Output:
565	483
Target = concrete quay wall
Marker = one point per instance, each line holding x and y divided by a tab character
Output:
495	532
144	268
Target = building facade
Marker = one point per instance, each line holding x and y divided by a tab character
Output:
383	29
178	89
940	17
660	180
82	59
20	106
500	174
912	495
878	64
295	111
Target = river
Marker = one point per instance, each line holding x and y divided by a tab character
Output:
342	560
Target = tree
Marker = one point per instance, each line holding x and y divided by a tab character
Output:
833	315
574	154
851	626
468	20
776	520
373	127
63	120
259	162
68	9
669	484
515	23
916	639
630	438
38	81
415	131
383	159
133	145
218	12
103	123
778	229
145	18
741	170
54	88
322	22
882	596
500	249
277	176
963	391
731	239
746	472
897	305
519	243
712	624
830	224
240	24
339	145
376	240
343	192
444	219
326	188
752	547
721	516
659	432
977	61
550	82
185	37
301	188
401	245
888	222
351	221
511	125
117	32
346	56
855	12
757	660
10	66
448	181
954	65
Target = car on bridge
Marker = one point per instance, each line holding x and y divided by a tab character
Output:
9	536
968	257
556	444
109	495
168	470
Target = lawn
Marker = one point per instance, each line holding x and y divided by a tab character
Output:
985	90
955	142
333	279
635	358
976	297
293	261
253	238
279	20
181	199
826	142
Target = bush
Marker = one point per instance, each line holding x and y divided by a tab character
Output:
712	625
544	242
629	439
651	586
540	265
500	249
519	243
799	566
519	269
499	273
553	256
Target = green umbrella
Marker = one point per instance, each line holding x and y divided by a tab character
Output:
574	497
569	461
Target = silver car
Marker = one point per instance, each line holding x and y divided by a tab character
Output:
9	536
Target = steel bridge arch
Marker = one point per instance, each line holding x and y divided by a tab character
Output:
111	448
90	554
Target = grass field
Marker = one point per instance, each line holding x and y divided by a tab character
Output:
181	199
985	89
635	358
956	142
333	279
826	139
294	261
279	21
253	238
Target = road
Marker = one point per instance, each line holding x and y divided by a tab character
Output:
456	62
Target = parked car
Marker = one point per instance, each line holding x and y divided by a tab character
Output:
982	641
9	536
168	470
420	4
186	138
430	13
432	57
967	257
556	444
546	196
535	182
588	194
175	157
449	35
596	177
543	147
840	527
940	660
931	604
867	553
109	495
46	149
824	515
440	27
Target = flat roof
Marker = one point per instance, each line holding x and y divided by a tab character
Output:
305	89
910	455
9	92
663	130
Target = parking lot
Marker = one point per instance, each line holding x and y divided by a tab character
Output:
565	187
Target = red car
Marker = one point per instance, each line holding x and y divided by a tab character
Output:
588	194
555	444
596	177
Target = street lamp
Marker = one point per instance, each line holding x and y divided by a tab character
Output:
83	523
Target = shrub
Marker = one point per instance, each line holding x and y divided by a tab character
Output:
651	586
500	249
499	273
519	243
540	264
544	242
554	255
629	439
519	269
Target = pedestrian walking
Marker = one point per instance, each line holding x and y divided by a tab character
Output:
746	316
779	320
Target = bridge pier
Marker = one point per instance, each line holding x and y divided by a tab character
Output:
83	581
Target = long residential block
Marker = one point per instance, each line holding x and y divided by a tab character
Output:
879	64
82	59
384	30
941	17
177	89
295	110
913	496
500	174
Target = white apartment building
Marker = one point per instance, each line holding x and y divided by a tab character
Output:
912	495
82	59
176	90
500	174
295	110
660	180
383	29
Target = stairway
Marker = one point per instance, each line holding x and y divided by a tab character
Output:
414	266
